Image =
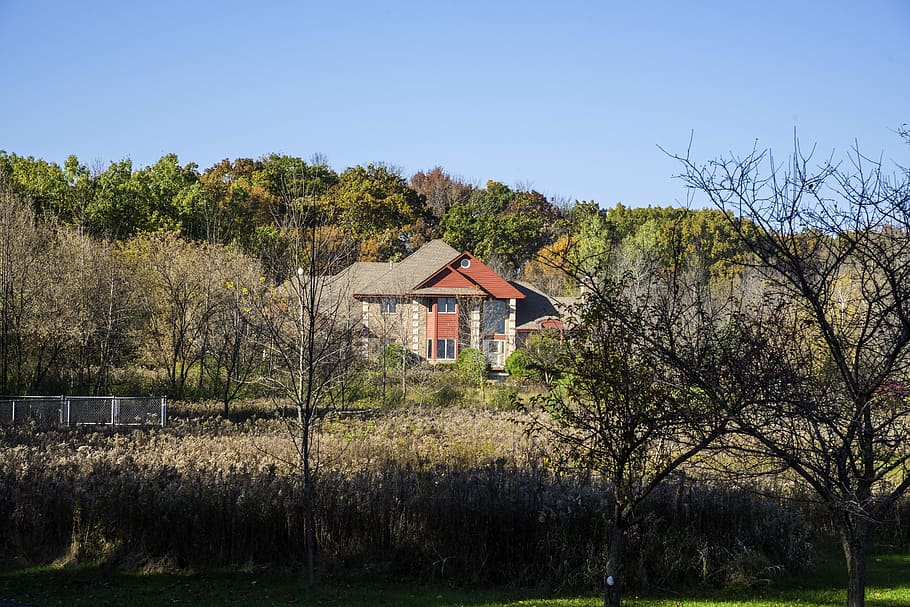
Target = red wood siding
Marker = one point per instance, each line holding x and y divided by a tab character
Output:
447	326
476	274
488	280
449	279
440	326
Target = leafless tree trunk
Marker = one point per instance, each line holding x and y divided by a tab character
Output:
307	324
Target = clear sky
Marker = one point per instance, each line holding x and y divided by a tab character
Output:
571	98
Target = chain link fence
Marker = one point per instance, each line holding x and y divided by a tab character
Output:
51	411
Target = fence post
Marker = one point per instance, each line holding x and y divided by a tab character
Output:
63	414
13	415
163	411
66	408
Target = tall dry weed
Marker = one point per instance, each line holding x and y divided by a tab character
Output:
448	493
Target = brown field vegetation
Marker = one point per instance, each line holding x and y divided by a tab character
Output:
450	493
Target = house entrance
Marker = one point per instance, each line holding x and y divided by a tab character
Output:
495	351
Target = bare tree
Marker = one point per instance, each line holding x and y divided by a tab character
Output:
307	325
658	361
392	327
832	248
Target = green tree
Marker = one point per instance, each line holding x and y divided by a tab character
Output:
289	176
500	226
169	187
121	206
472	366
81	191
42	182
375	205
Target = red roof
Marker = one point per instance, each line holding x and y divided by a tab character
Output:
465	271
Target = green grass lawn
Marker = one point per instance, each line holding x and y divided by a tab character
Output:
889	586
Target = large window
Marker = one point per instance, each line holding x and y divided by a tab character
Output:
388	305
494	317
445	305
445	349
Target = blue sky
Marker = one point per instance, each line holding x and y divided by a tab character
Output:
571	98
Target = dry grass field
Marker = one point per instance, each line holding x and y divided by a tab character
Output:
438	494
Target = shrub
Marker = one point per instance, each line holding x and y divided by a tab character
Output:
446	394
472	366
504	397
393	355
519	366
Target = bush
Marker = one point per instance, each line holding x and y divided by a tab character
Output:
393	355
446	394
519	366
472	366
504	397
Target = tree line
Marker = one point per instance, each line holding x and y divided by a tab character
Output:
241	202
140	279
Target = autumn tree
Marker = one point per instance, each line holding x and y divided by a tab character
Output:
102	310
233	203
179	299
441	190
23	254
376	207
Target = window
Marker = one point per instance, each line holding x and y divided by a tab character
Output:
445	305
388	305
445	349
429	349
494	317
465	263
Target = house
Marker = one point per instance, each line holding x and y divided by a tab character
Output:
437	301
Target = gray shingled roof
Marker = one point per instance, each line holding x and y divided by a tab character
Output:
537	306
379	279
363	276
